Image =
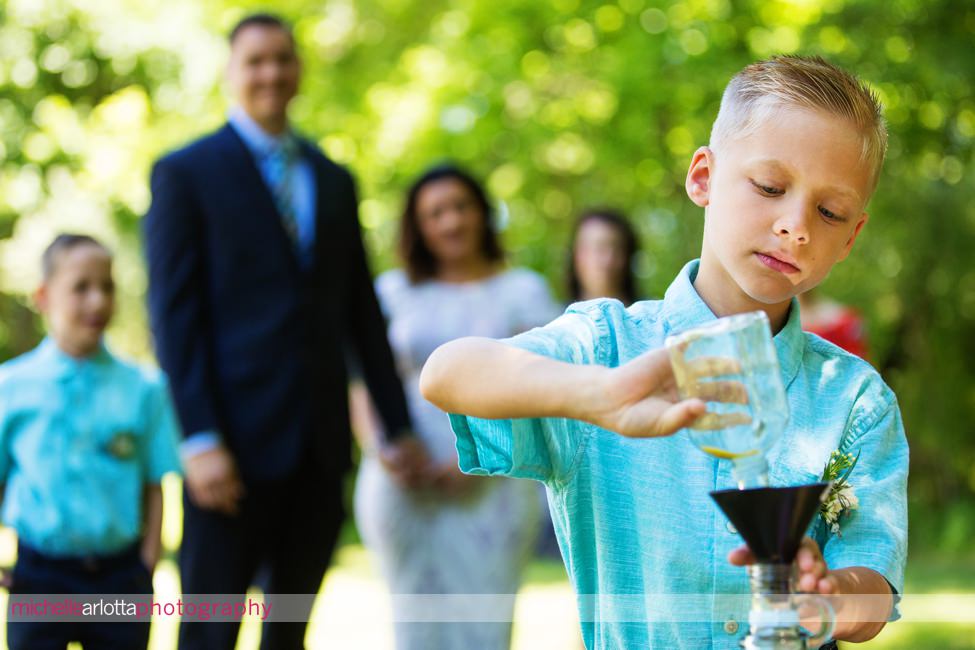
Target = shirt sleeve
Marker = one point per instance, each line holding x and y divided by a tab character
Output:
875	534
160	450
544	449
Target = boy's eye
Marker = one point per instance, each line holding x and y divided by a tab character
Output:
766	189
832	216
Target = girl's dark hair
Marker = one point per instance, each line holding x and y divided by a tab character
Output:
61	245
418	259
615	219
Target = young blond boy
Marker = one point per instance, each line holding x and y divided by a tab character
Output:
794	156
84	441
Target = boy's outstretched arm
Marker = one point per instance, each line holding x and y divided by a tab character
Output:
485	378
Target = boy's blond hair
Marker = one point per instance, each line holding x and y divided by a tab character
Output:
801	82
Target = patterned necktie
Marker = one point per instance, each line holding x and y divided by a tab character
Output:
280	172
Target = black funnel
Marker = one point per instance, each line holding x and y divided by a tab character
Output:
772	521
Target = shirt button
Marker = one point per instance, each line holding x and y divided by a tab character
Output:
731	626
731	528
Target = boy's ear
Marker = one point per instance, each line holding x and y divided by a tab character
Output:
856	231
698	182
40	298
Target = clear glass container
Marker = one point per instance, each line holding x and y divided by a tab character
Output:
775	620
731	364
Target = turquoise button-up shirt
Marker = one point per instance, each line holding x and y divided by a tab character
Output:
644	545
79	438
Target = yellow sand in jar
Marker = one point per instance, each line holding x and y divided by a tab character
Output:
727	455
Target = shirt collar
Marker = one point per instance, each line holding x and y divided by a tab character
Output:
64	364
258	141
683	309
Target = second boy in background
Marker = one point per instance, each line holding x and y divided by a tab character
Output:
84	440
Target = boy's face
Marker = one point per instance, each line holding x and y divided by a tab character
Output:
782	206
79	298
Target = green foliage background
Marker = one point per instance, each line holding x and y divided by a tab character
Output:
559	105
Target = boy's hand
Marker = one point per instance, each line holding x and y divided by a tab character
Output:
639	399
213	481
814	575
149	552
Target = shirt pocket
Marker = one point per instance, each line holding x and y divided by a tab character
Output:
118	431
121	444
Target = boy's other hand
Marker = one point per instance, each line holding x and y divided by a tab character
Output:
639	399
213	481
814	575
149	552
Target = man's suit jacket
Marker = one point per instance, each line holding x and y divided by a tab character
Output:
253	343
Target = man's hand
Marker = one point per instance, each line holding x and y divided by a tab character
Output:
406	460
447	479
213	481
639	399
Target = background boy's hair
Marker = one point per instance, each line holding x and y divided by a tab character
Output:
801	82
62	244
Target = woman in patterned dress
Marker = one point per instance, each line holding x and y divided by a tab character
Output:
460	534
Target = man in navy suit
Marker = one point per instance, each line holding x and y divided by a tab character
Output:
257	281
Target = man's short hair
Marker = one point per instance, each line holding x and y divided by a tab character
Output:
801	82
260	20
62	244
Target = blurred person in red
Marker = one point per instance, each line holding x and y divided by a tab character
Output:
835	322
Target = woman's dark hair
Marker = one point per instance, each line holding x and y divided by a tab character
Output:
615	219
417	257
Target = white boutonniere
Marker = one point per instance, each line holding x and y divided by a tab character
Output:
841	500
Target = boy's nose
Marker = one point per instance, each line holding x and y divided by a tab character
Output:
794	225
99	299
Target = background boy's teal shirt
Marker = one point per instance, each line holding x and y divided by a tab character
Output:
78	440
633	517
